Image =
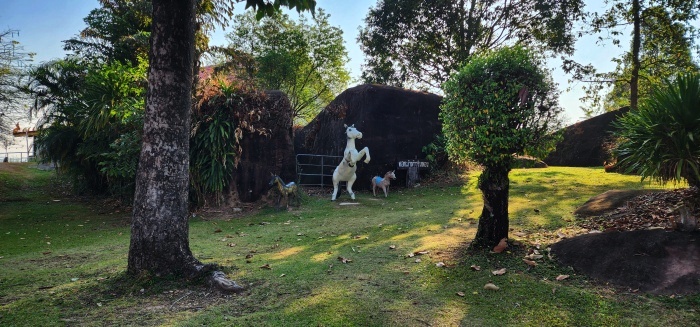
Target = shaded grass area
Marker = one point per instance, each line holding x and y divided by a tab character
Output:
63	262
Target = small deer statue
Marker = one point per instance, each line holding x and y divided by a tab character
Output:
382	182
284	191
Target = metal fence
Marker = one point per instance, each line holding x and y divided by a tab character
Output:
17	157
316	169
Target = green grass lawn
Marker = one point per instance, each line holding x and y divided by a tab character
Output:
63	261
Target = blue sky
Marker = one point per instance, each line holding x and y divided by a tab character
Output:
44	24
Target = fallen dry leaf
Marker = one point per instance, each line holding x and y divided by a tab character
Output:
562	277
491	286
499	272
533	256
655	209
475	267
440	264
392	247
502	245
266	266
530	263
344	260
460	294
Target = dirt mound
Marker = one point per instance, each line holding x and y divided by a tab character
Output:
654	261
608	201
638	209
584	143
638	251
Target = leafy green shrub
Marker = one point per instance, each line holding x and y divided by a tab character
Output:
227	109
90	108
661	140
435	152
497	105
120	163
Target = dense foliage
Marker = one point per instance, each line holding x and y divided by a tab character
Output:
93	121
94	100
117	30
663	43
497	105
226	110
661	140
419	43
305	59
484	117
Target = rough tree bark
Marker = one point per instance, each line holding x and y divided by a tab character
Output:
493	222
636	45
159	227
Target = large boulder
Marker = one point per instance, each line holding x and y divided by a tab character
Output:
396	123
585	143
262	155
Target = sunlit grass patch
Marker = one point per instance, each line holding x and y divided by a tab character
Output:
371	264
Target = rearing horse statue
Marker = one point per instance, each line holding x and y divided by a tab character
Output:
346	168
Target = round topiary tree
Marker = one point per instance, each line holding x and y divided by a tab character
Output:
661	140
497	105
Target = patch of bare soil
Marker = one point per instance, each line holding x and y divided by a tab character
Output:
645	211
608	201
13	167
639	249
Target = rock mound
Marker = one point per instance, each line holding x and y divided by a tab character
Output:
265	154
528	162
584	143
396	123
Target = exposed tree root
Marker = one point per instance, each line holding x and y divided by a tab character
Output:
220	281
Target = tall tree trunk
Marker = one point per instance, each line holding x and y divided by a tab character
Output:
493	222
159	227
636	45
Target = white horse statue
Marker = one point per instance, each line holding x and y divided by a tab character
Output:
346	168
